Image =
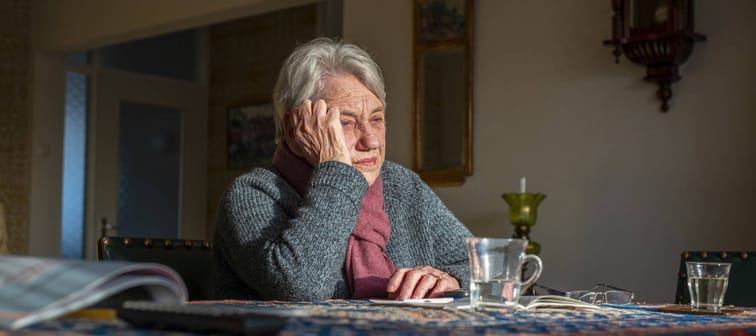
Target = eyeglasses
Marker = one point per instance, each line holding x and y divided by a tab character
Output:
598	294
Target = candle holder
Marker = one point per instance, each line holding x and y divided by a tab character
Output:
523	211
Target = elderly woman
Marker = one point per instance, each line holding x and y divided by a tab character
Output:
333	219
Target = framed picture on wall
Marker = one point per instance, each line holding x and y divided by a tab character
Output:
441	21
251	136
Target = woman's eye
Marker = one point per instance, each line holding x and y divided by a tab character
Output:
346	123
377	120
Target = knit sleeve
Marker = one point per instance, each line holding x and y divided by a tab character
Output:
286	247
449	241
424	230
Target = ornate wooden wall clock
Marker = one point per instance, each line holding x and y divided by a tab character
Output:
657	34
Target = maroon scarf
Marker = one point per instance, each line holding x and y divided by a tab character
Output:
367	266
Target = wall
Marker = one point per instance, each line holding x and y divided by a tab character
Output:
628	188
14	120
245	56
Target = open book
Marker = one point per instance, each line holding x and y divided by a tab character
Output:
34	289
525	303
553	301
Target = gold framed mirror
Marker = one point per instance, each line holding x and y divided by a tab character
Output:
443	91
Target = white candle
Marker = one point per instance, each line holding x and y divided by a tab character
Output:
522	184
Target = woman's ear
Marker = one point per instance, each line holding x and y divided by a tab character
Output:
287	130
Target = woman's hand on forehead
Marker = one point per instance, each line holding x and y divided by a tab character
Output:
315	133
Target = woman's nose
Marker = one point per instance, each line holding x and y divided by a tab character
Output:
369	141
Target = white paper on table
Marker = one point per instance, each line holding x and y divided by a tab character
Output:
446	302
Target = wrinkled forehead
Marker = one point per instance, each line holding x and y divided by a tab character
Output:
346	90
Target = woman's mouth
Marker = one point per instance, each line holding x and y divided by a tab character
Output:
366	162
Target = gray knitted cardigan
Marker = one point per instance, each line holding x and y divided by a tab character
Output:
270	243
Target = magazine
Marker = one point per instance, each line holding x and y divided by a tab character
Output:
34	289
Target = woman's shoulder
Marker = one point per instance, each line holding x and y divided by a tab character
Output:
394	169
404	191
256	176
266	180
396	175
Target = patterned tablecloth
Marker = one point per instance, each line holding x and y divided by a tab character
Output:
345	317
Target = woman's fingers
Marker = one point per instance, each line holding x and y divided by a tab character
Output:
426	283
337	137
419	282
395	282
320	109
317	134
444	283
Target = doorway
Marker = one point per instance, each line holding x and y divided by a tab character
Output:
147	159
146	142
237	88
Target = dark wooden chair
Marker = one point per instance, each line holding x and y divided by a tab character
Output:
741	289
191	259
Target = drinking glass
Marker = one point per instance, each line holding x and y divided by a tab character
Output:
496	272
707	283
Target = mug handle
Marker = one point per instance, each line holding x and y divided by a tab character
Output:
536	274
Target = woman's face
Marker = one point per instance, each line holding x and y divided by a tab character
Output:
362	119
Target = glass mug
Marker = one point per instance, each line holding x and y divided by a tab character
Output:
496	272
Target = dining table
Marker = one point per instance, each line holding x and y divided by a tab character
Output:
362	317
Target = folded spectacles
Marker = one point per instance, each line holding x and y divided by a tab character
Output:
598	294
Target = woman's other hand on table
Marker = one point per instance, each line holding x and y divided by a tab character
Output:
419	282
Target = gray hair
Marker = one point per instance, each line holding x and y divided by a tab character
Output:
305	71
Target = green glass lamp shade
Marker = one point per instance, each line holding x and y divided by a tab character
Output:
523	212
523	207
